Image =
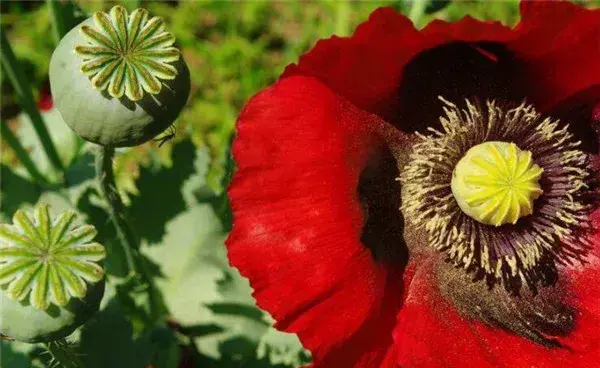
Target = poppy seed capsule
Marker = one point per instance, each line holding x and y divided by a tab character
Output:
496	183
51	278
116	78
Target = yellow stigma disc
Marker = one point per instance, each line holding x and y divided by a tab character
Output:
496	183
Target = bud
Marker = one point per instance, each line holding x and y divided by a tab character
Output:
116	78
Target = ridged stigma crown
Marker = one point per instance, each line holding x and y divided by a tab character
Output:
51	261
127	53
496	183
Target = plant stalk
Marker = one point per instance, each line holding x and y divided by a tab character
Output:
342	22
130	242
21	152
63	354
12	68
59	23
108	187
417	10
132	4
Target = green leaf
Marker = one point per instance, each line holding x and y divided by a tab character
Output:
219	202
199	287
107	340
15	190
89	204
160	194
10	357
167	353
66	142
81	171
436	5
282	348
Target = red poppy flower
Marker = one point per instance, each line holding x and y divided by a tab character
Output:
328	155
44	102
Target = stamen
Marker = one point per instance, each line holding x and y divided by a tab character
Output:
551	231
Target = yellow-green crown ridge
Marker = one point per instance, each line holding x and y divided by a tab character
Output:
49	260
127	54
496	183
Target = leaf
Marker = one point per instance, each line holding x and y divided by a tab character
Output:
200	330
107	341
167	353
81	170
282	348
239	351
10	357
237	309
15	191
437	5
220	202
65	140
199	287
160	194
90	204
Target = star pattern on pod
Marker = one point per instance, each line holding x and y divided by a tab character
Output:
51	261
501	183
127	53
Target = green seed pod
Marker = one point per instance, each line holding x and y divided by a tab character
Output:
50	279
116	78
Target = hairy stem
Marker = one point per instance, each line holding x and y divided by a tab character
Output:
135	261
17	77
108	187
63	354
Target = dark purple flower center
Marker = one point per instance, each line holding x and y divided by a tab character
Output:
528	251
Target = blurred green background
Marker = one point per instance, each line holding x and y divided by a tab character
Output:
175	193
233	50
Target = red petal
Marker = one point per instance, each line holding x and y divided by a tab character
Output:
559	48
559	45
596	128
300	149
583	282
428	322
367	68
383	68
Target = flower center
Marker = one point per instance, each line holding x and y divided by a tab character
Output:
496	183
466	176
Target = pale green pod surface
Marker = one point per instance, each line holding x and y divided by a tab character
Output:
51	275
23	322
117	79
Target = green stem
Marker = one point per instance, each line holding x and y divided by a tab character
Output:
108	187
59	23
132	4
21	152
417	11
342	23
135	261
17	77
63	353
